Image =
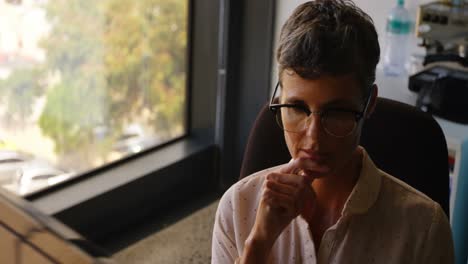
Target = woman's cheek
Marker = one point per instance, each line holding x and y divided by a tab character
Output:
292	142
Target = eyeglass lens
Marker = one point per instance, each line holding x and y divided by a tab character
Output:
336	123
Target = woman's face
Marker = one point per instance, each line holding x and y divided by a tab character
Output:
330	153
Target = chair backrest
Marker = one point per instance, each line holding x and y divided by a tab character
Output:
401	140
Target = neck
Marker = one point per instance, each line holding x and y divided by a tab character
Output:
333	191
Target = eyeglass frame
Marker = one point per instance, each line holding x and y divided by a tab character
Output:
358	115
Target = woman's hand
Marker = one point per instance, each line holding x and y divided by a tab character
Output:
285	195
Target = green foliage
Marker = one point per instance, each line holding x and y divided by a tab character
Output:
71	113
108	63
19	92
116	60
146	59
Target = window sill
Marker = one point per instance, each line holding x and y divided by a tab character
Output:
106	201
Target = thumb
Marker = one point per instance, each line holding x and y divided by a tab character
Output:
289	168
295	166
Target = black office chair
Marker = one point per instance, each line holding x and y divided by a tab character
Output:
401	140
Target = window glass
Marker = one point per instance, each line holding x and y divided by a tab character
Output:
84	83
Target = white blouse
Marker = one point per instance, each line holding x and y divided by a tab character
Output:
383	221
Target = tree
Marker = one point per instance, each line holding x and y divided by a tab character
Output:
117	61
146	60
19	92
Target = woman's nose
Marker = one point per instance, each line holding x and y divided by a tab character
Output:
313	125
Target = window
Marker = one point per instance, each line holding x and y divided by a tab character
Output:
220	106
86	83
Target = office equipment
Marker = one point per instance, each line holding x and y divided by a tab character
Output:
443	90
442	87
443	82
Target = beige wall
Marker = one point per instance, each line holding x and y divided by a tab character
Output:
378	10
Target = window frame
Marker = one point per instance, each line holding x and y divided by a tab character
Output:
88	202
229	52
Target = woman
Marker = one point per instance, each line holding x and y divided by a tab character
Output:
329	204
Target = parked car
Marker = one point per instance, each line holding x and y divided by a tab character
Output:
23	174
134	139
37	176
10	163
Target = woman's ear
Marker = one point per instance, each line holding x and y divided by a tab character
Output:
372	100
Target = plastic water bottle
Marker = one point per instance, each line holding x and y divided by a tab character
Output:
397	40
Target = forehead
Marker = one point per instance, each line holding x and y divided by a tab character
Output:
320	91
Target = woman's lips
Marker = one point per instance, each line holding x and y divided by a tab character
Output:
313	156
315	163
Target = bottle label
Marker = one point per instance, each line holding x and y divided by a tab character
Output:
398	27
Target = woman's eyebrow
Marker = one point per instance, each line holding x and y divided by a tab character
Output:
341	103
333	103
294	100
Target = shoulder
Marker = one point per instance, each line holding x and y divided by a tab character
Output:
402	187
408	201
423	218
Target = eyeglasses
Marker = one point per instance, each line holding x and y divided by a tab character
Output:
337	122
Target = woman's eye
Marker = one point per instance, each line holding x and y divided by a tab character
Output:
298	110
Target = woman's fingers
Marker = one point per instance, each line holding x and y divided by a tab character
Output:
282	200
285	189
294	187
279	200
294	180
304	165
